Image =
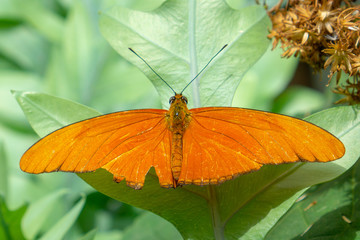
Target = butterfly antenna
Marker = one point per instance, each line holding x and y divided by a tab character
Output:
204	67
152	69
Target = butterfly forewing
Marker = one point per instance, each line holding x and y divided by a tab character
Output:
221	143
140	136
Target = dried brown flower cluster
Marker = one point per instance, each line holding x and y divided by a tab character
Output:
323	33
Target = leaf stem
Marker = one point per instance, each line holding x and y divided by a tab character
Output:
212	200
192	53
215	216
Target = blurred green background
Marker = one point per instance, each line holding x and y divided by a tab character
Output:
55	47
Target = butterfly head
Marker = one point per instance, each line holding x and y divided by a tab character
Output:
178	110
178	98
178	116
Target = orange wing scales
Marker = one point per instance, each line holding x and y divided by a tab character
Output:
133	164
211	157
222	143
139	136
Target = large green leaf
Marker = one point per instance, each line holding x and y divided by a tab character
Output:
180	37
245	207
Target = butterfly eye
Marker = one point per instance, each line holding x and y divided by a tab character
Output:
184	99
172	99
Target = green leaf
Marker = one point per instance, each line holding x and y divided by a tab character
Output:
133	91
245	207
326	211
38	213
44	118
10	222
180	37
58	231
151	227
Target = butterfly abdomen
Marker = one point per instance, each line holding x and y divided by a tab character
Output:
176	154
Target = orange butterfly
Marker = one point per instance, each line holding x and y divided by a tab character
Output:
199	146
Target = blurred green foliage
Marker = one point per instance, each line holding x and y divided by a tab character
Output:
55	47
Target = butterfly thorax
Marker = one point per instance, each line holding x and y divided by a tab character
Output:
178	118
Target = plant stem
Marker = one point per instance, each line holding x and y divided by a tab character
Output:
215	216
192	53
212	201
